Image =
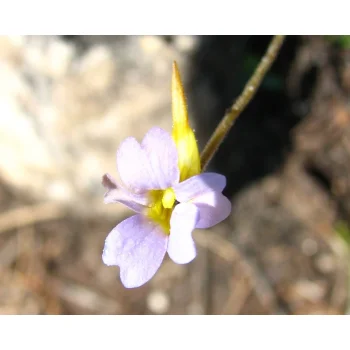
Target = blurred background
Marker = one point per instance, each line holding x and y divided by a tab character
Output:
66	103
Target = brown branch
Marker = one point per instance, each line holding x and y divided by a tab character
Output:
248	93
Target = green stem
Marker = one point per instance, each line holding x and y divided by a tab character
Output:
248	92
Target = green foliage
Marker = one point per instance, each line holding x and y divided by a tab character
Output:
343	230
342	41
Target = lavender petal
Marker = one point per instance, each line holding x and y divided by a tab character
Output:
181	247
162	154
138	247
198	185
151	165
213	207
117	194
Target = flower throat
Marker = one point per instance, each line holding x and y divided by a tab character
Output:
161	208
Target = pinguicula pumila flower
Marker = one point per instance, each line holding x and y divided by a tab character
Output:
162	182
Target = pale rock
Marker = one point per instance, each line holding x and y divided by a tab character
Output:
158	302
64	113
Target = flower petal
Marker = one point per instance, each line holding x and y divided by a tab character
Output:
151	165
199	185
133	166
213	207
162	154
116	193
181	247
138	247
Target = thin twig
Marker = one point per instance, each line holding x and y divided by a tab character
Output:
29	215
240	290
223	248
242	101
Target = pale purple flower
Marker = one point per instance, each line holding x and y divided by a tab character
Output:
150	176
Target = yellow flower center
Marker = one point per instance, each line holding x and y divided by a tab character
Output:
162	205
162	201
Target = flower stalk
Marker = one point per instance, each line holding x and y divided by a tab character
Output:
237	108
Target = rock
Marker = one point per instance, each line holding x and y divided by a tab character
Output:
65	110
